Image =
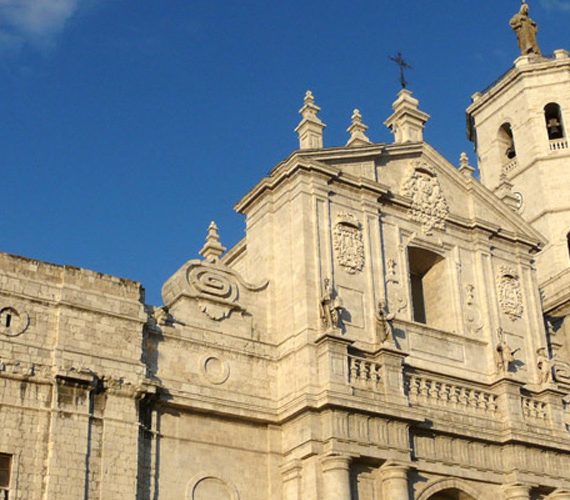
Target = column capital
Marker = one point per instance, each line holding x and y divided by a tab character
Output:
394	470
516	491
335	462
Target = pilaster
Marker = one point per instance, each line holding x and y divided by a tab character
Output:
508	393
391	361
291	476
332	355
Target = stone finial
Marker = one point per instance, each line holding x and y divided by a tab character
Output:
310	130
464	167
407	122
212	249
357	131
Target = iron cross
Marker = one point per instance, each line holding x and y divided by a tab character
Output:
399	60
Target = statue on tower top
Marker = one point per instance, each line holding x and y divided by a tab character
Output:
526	30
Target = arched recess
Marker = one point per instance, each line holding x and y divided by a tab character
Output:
462	490
554	123
209	486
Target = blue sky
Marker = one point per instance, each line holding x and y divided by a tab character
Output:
127	125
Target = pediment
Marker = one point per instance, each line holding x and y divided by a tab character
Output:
438	194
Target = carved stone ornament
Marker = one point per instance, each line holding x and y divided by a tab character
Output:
429	206
472	314
396	295
509	292
217	288
348	245
13	322
215	369
330	308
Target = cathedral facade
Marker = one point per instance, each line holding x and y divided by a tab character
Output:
390	328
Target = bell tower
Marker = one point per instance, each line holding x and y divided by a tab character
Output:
519	126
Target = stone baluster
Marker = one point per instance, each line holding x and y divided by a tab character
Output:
336	477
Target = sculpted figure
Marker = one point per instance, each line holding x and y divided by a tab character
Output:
505	355
331	307
384	329
525	29
544	365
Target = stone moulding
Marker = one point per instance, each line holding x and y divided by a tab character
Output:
428	207
215	369
440	485
509	292
348	244
198	479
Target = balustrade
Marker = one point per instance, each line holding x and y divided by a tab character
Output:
558	144
364	373
451	396
510	166
533	409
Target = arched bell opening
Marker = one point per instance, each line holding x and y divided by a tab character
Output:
507	142
554	123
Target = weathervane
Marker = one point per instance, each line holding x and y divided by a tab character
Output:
399	60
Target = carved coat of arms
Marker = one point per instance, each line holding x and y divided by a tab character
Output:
510	293
429	206
347	242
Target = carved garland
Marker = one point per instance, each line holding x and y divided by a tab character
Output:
510	293
429	206
348	244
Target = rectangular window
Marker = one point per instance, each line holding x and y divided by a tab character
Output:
5	470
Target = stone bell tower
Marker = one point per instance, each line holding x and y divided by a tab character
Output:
519	126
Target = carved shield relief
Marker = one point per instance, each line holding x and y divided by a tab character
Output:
429	206
348	244
510	293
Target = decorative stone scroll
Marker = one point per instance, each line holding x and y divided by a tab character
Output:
217	288
509	292
347	242
429	207
13	322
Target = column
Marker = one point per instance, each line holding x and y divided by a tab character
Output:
517	492
336	477
394	481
